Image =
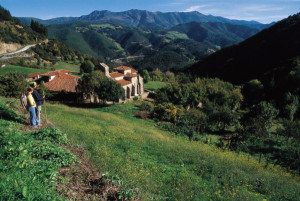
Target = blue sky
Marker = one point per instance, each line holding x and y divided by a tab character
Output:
264	11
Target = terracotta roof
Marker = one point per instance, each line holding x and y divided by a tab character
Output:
63	82
31	75
123	82
130	75
62	71
116	74
123	68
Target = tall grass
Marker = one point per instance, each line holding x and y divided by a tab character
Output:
161	166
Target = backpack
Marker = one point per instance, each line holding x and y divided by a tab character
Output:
23	100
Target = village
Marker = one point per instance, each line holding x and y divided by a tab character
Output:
62	81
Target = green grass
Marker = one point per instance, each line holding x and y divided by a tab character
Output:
176	35
68	66
162	166
30	161
154	85
25	70
103	26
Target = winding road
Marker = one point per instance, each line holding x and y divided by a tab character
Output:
8	55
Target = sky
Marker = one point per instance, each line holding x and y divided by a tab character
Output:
264	11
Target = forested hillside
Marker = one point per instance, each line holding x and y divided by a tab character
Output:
150	47
267	53
272	56
13	31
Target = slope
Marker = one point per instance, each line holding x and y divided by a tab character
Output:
271	53
216	33
160	166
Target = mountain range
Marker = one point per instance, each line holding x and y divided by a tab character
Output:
139	18
150	47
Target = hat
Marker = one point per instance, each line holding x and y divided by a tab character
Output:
32	84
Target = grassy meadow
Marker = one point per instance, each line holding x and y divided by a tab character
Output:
68	66
60	65
154	85
158	165
25	70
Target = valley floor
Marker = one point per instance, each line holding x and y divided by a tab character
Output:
156	165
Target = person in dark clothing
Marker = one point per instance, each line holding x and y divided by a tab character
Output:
39	101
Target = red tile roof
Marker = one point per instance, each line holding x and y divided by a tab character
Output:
62	71
123	68
123	82
116	74
63	82
31	75
130	75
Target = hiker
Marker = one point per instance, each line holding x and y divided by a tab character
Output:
38	99
31	107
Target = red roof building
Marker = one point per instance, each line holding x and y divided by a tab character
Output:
63	82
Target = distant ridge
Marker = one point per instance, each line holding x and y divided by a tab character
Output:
270	54
139	18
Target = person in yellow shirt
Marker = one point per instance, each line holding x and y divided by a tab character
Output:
31	105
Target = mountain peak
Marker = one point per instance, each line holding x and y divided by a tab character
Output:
135	17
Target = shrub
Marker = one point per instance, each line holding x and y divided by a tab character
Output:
9	114
146	106
51	134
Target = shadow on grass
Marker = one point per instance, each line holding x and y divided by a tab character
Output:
81	105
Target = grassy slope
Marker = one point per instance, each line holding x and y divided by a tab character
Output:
167	167
68	66
154	85
25	70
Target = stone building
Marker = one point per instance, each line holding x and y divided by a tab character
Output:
130	80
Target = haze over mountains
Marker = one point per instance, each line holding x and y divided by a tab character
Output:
139	18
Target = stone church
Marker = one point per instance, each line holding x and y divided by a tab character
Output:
131	81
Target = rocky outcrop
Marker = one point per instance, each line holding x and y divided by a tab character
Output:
7	48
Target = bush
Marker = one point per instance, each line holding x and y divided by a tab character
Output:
146	106
51	134
9	114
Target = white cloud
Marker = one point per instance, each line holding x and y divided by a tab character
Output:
194	8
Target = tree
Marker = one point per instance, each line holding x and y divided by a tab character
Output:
146	76
223	118
39	28
22	61
91	81
266	111
97	83
291	106
38	61
12	84
4	14
157	75
81	59
86	67
253	91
